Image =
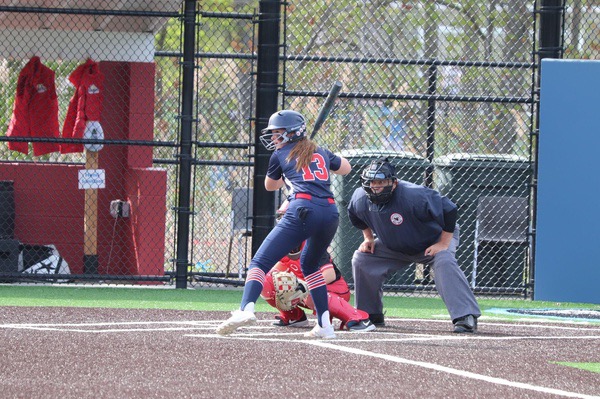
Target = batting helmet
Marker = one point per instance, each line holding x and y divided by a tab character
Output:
379	169
295	129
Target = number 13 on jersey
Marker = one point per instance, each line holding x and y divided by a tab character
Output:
316	170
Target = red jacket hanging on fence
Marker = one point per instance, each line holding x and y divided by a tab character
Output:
35	112
85	105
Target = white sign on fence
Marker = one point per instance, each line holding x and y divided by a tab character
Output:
92	178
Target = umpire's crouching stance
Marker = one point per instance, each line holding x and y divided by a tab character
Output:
413	224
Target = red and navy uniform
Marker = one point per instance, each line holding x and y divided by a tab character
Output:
35	112
85	105
313	179
312	216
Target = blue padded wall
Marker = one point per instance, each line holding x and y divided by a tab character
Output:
567	266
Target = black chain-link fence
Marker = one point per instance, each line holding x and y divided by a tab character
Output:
445	90
448	90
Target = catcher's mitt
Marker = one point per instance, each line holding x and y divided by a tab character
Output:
289	290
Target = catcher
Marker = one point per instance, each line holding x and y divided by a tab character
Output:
285	290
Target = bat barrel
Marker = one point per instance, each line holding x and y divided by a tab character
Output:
327	106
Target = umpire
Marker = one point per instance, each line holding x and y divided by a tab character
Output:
412	224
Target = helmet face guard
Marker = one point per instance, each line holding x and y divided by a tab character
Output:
295	129
380	169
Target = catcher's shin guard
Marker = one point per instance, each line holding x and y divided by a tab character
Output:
341	309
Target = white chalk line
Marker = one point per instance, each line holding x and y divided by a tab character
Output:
376	337
373	337
520	323
449	370
209	325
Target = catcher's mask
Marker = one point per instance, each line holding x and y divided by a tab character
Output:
294	253
378	180
295	129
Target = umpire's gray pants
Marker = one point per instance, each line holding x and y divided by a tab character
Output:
371	270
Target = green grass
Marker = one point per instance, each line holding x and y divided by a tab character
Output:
227	300
593	367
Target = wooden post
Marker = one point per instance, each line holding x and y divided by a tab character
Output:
90	242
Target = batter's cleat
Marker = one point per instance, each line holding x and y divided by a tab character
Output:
320	332
301	322
465	324
238	319
377	319
360	326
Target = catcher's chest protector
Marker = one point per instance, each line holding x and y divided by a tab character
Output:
292	266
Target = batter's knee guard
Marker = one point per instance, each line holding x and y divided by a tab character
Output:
341	309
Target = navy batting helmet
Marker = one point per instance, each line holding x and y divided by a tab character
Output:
295	129
379	169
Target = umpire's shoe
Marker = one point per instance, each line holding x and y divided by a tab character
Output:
360	326
377	319
465	324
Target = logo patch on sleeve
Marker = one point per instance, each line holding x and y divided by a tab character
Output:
396	219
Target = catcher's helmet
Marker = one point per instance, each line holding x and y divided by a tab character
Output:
294	124
379	169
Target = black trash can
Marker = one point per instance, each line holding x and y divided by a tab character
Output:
7	209
464	179
409	167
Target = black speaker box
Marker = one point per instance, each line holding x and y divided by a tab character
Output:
9	256
7	209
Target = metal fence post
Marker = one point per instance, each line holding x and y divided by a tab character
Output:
185	151
550	46
551	20
267	84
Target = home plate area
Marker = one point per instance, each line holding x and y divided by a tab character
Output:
132	353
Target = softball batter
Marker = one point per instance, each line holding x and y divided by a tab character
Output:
312	216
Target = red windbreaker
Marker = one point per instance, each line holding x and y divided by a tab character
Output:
35	112
85	105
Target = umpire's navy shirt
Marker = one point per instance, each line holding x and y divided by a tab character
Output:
410	222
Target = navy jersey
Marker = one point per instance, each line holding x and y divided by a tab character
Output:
410	222
313	179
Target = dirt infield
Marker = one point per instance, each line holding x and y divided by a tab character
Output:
123	353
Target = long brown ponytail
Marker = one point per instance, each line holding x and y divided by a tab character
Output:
302	152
